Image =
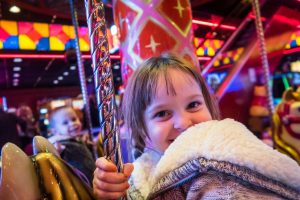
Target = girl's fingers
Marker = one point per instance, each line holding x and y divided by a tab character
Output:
112	195
110	187
128	168
109	177
106	165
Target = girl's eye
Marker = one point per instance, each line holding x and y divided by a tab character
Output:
194	105
162	114
65	122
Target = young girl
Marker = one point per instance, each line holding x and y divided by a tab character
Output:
186	152
67	137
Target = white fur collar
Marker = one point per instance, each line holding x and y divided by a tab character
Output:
144	168
225	140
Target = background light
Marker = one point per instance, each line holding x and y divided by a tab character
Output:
18	60
16	69
113	30
14	9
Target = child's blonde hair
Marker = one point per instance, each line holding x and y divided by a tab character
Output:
141	90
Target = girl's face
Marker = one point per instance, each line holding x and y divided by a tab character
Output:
170	113
66	122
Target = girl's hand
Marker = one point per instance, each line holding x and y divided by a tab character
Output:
107	182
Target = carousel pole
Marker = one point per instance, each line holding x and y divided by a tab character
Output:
263	54
82	75
103	81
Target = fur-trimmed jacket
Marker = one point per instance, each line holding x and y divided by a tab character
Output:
215	160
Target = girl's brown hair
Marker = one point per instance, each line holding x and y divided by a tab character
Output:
141	89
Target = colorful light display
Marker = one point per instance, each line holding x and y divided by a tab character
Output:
209	47
55	37
9	35
295	40
33	36
229	57
43	37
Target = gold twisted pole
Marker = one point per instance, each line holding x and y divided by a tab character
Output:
263	54
103	81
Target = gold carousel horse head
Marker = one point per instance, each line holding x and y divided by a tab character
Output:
286	121
42	176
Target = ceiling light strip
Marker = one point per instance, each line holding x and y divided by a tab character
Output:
61	56
48	56
205	23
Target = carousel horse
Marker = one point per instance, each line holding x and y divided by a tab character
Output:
42	176
286	124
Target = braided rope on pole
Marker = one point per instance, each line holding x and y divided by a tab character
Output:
82	76
263	53
103	81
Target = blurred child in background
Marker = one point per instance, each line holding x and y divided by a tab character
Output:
68	138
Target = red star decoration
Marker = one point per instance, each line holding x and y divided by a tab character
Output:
162	38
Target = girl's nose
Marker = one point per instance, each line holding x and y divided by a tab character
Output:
182	122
